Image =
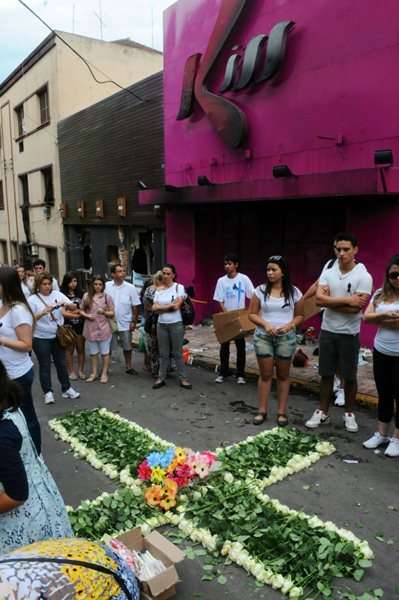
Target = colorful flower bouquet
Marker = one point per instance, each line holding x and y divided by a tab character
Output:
169	471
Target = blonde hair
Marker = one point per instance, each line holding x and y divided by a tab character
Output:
157	277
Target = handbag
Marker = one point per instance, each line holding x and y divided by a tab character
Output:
187	310
111	320
65	334
150	322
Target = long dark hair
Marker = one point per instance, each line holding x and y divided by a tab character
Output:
65	284
288	288
90	290
172	268
10	396
11	288
388	291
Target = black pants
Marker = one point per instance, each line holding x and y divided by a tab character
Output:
386	375
44	350
27	407
225	356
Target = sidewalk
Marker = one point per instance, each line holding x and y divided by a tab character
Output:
204	349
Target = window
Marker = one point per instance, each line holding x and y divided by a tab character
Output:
52	261
19	113
47	179
44	106
24	190
1	196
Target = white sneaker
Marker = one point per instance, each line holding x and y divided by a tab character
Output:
71	393
241	381
340	398
350	422
376	440
393	448
219	379
318	418
49	398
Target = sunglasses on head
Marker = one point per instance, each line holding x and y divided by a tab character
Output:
393	275
274	258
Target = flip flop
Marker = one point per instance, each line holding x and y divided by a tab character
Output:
259	418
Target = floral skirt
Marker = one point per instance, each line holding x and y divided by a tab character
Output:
25	580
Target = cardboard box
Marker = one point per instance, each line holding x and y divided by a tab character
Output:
232	325
311	309
162	586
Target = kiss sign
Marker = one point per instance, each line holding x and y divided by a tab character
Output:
228	120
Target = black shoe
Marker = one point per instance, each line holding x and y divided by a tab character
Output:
158	384
186	384
131	371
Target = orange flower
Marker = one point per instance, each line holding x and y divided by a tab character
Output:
181	455
170	487
153	495
167	503
173	465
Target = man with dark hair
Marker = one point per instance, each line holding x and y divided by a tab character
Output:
126	302
39	266
343	291
231	292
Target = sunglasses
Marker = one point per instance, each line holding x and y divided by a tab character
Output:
274	258
393	275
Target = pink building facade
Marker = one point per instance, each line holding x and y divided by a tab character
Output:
274	112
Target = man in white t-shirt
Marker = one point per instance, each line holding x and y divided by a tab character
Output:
231	292
343	292
126	302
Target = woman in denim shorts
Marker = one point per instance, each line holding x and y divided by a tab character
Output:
276	309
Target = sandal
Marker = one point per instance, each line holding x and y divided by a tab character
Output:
184	383
91	378
158	384
259	418
282	420
104	379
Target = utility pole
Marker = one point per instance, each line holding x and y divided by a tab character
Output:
99	16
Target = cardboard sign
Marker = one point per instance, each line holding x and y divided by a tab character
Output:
232	325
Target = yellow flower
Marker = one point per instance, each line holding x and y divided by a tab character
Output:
153	495
158	475
180	455
170	488
167	503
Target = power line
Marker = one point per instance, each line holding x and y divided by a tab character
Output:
80	56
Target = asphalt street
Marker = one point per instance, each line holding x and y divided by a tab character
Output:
362	495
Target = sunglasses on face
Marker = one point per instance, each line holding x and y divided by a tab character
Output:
394	275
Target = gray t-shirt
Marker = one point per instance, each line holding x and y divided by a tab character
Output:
358	280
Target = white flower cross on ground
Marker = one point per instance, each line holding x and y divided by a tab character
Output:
228	513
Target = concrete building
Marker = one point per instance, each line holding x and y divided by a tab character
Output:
104	151
51	84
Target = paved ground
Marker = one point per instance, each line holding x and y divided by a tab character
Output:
204	350
363	497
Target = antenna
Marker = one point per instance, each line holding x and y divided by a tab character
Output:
152	26
73	18
99	16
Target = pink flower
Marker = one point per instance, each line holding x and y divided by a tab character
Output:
210	457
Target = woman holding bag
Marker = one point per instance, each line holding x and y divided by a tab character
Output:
98	312
49	308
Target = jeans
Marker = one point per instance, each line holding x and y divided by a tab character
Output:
170	343
277	346
225	357
44	350
27	407
386	375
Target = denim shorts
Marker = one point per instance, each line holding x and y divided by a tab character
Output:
276	346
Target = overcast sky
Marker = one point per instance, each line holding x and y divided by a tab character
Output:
21	32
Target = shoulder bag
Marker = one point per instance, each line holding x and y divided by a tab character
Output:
111	320
65	334
187	310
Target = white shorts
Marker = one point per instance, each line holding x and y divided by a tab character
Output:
99	347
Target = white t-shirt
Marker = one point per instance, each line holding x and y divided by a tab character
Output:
167	296
275	310
124	297
46	327
387	340
25	289
358	280
233	291
16	363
